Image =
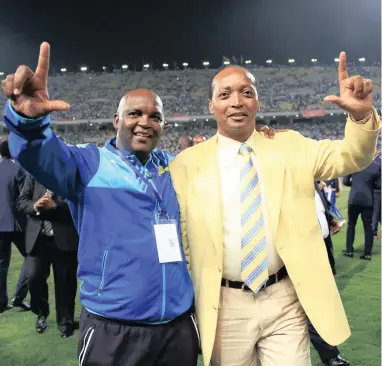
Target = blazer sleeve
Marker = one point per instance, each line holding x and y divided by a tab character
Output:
333	159
24	202
61	212
179	179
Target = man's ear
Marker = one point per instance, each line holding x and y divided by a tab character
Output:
210	106
115	121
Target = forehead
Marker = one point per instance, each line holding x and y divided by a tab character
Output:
231	77
145	102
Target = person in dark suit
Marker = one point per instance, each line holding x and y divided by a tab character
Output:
361	201
330	355
12	223
51	238
377	198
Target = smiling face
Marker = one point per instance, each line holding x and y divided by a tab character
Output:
139	122
234	102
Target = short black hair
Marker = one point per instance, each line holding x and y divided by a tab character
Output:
218	71
4	150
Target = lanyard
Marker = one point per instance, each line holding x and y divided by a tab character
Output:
145	178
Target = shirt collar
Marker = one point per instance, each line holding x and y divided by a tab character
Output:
153	158
230	147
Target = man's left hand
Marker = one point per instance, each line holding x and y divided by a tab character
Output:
355	92
269	133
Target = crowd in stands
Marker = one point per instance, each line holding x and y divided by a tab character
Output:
184	92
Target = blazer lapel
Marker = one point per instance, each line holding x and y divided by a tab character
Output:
208	189
272	172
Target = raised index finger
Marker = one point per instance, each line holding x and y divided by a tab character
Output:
43	61
342	70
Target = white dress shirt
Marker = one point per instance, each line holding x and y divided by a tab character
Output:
320	209
230	163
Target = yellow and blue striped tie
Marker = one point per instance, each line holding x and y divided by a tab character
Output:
254	263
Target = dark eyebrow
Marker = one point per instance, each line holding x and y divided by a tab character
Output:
133	110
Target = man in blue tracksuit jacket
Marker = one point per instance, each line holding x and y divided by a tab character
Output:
136	291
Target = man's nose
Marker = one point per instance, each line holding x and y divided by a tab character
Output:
236	101
144	122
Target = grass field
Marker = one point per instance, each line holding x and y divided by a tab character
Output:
358	281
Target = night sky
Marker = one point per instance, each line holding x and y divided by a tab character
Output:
136	32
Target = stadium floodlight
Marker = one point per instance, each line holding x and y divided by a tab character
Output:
274	117
176	125
261	117
165	65
206	119
84	68
226	62
185	64
63	69
362	59
314	60
206	63
125	67
331	114
296	115
91	124
103	67
269	61
291	60
194	119
248	62
336	59
1	73
146	66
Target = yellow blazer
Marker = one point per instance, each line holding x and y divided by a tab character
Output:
289	164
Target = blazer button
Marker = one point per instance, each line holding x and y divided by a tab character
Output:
215	308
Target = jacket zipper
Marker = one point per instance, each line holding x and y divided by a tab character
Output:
104	259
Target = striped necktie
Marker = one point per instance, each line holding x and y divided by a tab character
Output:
254	263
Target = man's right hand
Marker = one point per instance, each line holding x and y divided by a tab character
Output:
28	90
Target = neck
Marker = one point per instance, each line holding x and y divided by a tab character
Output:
239	136
140	155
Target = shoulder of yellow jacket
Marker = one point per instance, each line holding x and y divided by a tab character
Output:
195	153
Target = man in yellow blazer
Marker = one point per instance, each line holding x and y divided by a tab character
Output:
250	230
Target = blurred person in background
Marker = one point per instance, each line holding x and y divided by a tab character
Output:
333	191
12	225
184	143
361	202
51	240
377	198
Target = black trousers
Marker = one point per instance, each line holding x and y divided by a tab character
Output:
6	239
324	350
366	215
376	212
106	342
44	254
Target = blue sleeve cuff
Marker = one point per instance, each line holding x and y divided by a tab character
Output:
14	116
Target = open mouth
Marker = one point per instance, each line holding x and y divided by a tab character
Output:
142	134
